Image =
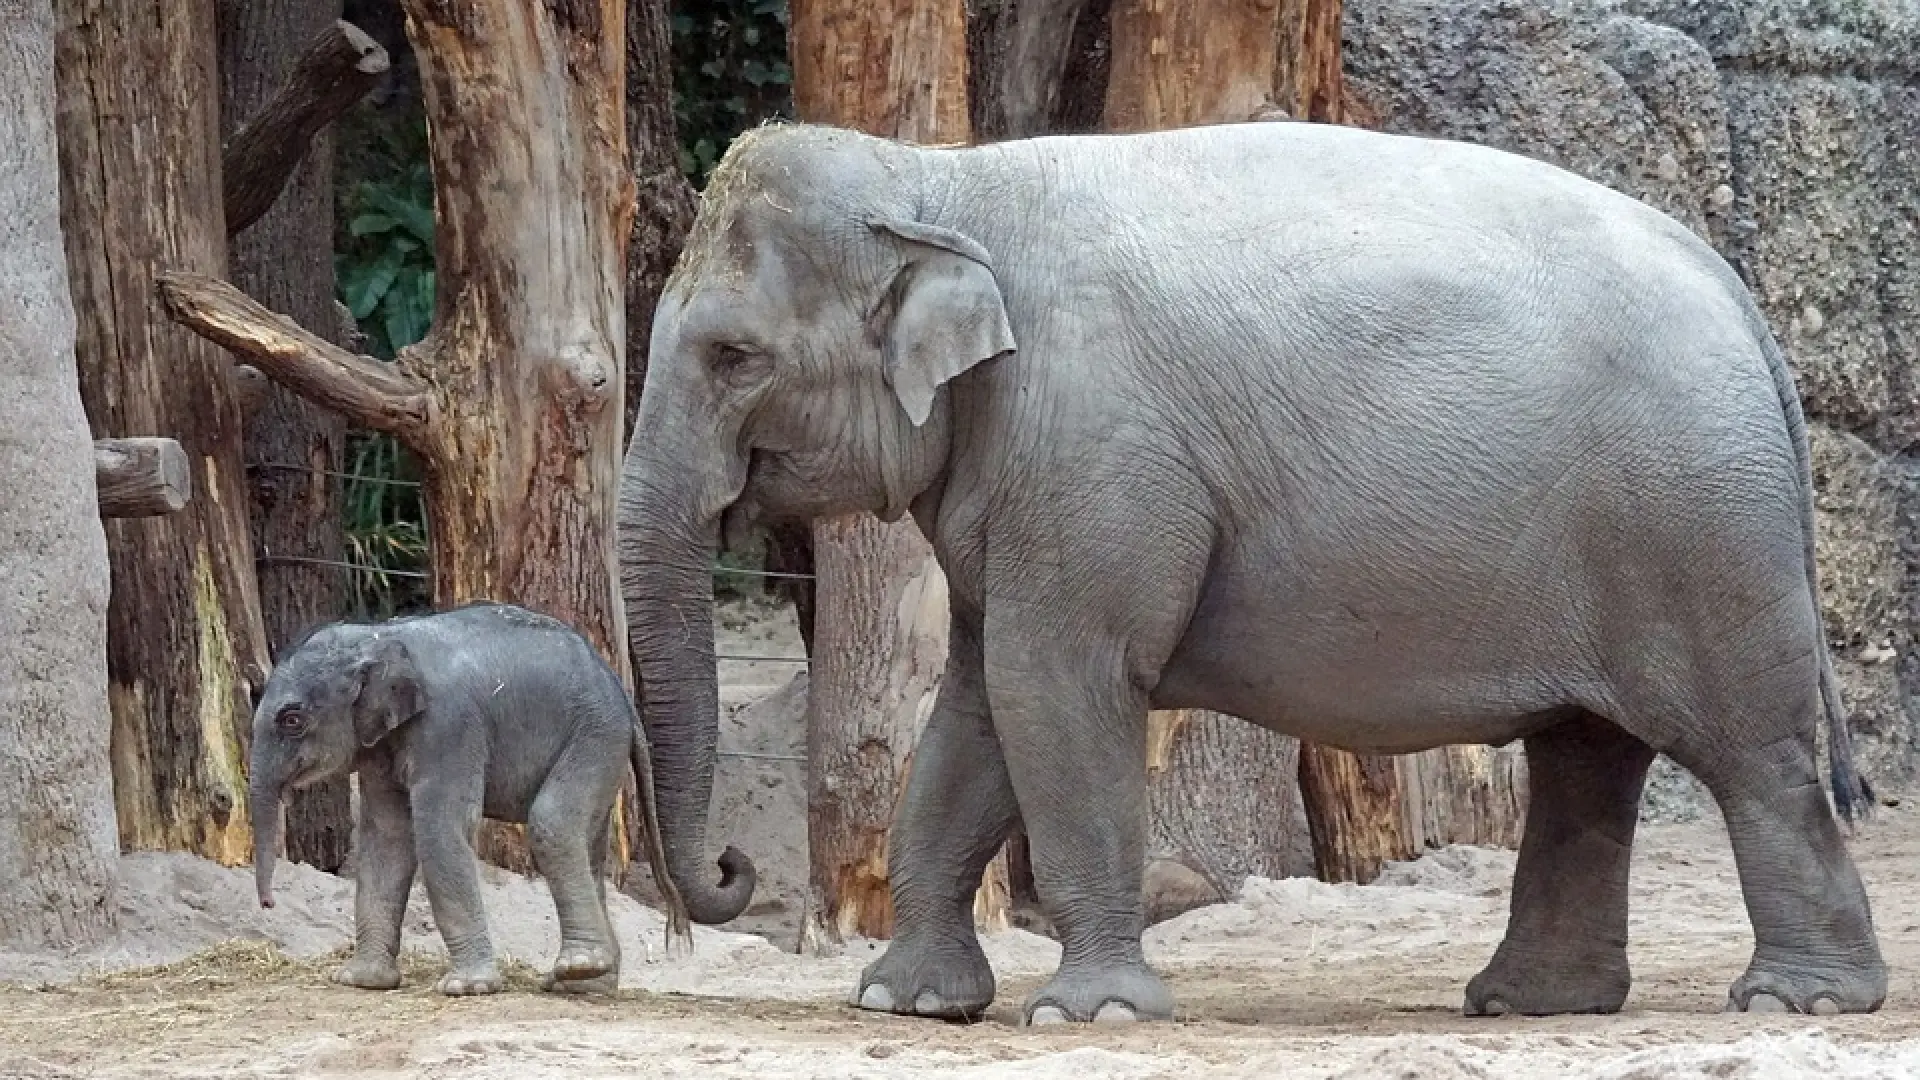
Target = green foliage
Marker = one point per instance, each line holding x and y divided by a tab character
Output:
384	270
386	528
730	72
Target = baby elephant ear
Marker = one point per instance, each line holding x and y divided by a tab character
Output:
387	692
942	315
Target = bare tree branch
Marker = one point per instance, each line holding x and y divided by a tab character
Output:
367	392
338	69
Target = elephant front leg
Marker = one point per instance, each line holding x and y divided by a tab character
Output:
446	816
1566	944
1073	726
959	809
383	877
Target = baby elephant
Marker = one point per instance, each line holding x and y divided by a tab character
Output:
487	710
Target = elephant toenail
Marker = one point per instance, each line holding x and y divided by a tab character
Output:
1766	1003
877	998
1047	1015
1495	1007
1114	1014
1825	1006
928	1003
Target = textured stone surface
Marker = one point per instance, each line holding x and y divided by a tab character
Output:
1787	134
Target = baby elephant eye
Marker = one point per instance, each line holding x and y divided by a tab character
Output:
291	720
735	361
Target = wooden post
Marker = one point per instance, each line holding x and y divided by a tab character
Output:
895	68
287	69
141	477
59	884
513	401
140	190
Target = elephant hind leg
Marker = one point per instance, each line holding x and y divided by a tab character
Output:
566	823
1566	944
1815	950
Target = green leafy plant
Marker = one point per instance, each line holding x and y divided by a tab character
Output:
386	528
730	72
385	270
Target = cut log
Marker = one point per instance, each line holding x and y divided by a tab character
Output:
514	401
1182	63
337	70
141	477
1017	54
140	174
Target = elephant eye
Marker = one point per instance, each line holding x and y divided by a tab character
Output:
291	720
732	361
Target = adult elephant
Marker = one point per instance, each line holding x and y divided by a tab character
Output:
1383	442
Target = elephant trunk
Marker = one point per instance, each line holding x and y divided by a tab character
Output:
265	807
666	568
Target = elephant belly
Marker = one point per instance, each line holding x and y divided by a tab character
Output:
1372	676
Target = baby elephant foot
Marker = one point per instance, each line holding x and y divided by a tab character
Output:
606	985
1598	985
581	961
1108	995
1825	993
369	973
469	982
911	980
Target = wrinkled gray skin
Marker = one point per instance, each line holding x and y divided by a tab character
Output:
487	710
1378	441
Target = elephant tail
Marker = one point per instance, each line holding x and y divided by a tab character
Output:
678	923
1851	791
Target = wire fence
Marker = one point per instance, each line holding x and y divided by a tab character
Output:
369	568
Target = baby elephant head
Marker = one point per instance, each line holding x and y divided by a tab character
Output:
340	691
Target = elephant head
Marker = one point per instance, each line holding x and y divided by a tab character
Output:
796	371
342	690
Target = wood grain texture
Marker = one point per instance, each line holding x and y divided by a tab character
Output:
140	169
141	477
337	69
1182	63
290	65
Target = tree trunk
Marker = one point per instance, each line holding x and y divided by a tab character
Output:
664	203
140	173
514	400
285	258
58	880
1223	801
1306	72
897	69
1182	63
1017	55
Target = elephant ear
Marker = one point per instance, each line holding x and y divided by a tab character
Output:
388	691
942	315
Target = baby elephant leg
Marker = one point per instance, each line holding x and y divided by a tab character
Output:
382	880
446	815
568	818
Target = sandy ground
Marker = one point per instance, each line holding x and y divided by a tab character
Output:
1294	978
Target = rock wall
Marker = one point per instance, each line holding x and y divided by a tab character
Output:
1787	134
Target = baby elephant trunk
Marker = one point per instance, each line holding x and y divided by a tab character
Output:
266	840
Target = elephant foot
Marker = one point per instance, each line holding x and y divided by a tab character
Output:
1532	987
369	973
584	960
1108	996
605	985
1779	988
910	980
466	982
